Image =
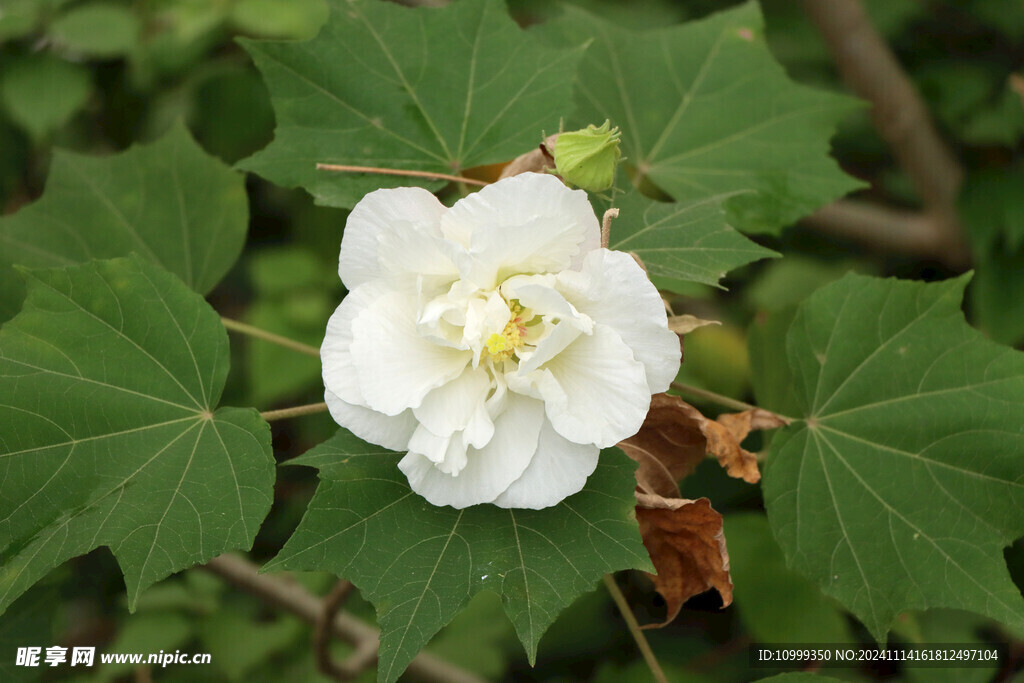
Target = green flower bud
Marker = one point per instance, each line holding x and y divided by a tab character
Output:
587	158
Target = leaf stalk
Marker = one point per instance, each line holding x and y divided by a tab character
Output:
634	629
243	328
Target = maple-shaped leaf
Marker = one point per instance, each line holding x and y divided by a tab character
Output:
681	242
382	85
169	202
902	481
707	113
109	382
420	564
687	545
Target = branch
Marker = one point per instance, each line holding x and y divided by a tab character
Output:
297	411
634	629
395	171
871	69
711	396
886	229
243	328
361	659
295	599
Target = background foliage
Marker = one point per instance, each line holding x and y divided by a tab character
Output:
120	125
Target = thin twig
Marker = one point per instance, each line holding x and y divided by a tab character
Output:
297	411
887	230
713	397
293	598
872	70
322	636
634	629
256	332
395	171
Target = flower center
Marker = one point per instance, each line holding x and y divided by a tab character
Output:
503	345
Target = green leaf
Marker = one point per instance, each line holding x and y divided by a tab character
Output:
996	300
991	209
109	379
706	111
430	89
149	632
97	29
420	564
19	18
478	638
279	18
169	202
944	626
274	372
41	92
787	282
798	677
903	482
29	622
776	604
766	345
683	241
222	632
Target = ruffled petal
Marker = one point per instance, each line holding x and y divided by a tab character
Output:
393	231
559	469
529	223
452	406
490	470
339	373
613	290
594	391
392	432
395	366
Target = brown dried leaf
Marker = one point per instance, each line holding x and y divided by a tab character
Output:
685	324
668	446
675	437
736	426
538	160
687	545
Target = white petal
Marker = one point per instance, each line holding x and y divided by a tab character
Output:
442	318
538	293
490	470
450	407
599	394
553	343
484	317
448	453
613	290
559	469
397	367
339	373
391	432
529	223
389	229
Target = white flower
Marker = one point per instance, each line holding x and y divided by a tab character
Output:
495	341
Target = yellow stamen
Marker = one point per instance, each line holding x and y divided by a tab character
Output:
502	346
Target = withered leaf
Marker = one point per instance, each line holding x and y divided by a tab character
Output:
675	437
687	545
668	447
736	461
686	323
